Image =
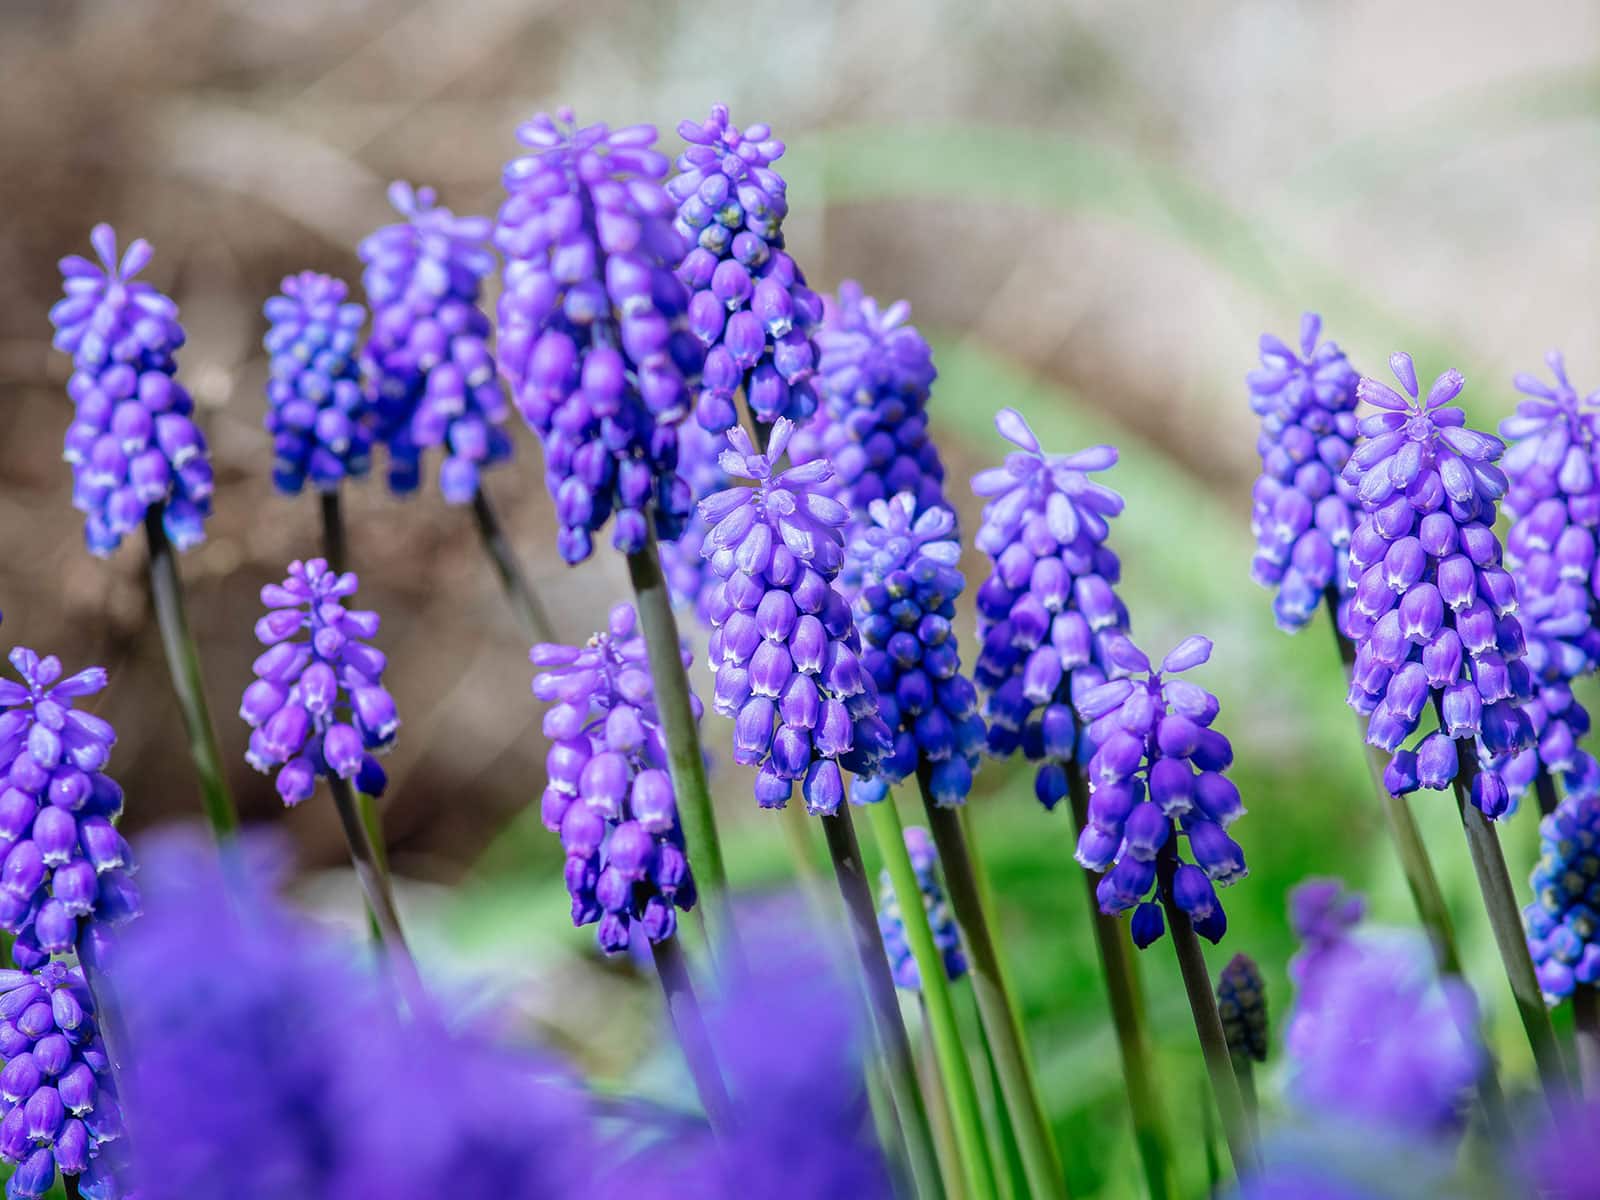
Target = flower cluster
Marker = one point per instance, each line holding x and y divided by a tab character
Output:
58	1103
428	353
946	935
877	373
318	706
592	327
1563	922
1302	511
1433	615
62	860
910	573
784	647
686	570
1156	773
1554	504
318	413
1242	1005
609	794
1049	618
133	442
1322	915
750	306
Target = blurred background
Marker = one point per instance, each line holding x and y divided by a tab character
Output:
1093	208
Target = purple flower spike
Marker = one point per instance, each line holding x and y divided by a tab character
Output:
1242	1005
784	648
428	353
910	574
1157	773
1554	505
318	414
133	441
1433	614
1049	619
1302	510
610	795
62	860
318	706
749	305
946	935
594	336
687	573
1562	922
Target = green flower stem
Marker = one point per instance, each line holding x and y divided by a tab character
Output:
685	759
1013	1180
1127	1015
1586	1032
955	1071
1000	1022
689	1026
1213	1043
334	546
1545	788
1245	1072
375	886
939	1120
883	1006
524	600
183	662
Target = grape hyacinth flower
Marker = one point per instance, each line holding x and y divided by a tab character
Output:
946	935
909	568
62	861
686	571
593	333
318	413
1554	504
318	706
784	648
609	795
58	1102
133	442
1242	1005
428	353
1156	774
749	305
1434	614
1049	618
1563	922
1302	510
1322	915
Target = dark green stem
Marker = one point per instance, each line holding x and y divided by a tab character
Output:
334	548
939	1121
684	757
1127	1015
375	886
525	604
183	663
1040	1158
1545	788
883	1006
1586	1032
1245	1072
69	1184
689	1026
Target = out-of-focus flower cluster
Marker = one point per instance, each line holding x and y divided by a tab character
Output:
688	574
891	921
1242	1006
1563	921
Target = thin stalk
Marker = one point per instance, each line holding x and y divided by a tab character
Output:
1213	1043
1000	1022
1013	1180
954	1069
1208	1130
524	600
69	1184
375	886
1245	1072
889	1030
939	1120
1505	919
334	547
183	663
684	757
1127	1015
689	1026
1545	788
1586	1032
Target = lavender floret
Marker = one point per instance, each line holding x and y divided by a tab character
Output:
891	924
1563	921
133	441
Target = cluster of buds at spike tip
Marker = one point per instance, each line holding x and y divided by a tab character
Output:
318	413
593	327
58	1102
1157	775
1553	502
1242	1006
609	793
1302	511
891	923
318	706
909	566
784	648
1050	622
428	356
1434	614
750	306
1563	922
62	861
133	442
